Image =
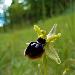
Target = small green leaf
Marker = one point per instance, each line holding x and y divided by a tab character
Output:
51	53
53	30
52	36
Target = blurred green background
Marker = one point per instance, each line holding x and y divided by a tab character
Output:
16	29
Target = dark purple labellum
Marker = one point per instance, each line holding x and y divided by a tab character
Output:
35	49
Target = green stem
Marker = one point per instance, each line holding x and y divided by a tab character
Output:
42	66
45	64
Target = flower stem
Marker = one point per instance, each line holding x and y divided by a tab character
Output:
42	67
45	64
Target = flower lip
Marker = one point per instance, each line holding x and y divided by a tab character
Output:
34	50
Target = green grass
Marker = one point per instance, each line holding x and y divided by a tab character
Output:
12	45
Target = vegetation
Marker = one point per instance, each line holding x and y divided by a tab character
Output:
26	12
12	45
18	30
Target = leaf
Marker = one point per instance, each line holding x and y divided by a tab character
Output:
52	36
51	53
52	31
